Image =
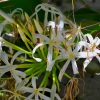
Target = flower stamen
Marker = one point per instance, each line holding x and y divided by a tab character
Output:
36	91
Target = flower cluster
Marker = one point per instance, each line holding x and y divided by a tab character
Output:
30	48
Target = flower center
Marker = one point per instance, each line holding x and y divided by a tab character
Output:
36	91
71	55
51	42
92	47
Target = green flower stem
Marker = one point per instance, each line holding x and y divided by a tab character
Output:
45	79
15	47
64	73
53	75
56	79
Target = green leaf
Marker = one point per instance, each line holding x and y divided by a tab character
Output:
85	14
92	29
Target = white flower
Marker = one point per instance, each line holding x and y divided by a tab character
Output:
74	32
70	55
16	93
35	91
54	41
93	47
16	74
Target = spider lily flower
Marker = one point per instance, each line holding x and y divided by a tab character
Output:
16	74
55	41
36	92
93	47
74	32
70	55
16	93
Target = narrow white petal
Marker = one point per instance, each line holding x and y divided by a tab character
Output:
34	82
1	28
42	37
26	89
4	57
36	97
86	54
34	50
96	41
24	82
6	16
61	25
86	62
44	97
97	50
62	71
16	55
30	97
44	89
3	84
50	53
90	38
16	10
53	91
82	55
4	69
57	96
49	67
59	47
6	91
46	19
97	73
70	49
80	45
74	66
16	77
11	97
63	56
53	11
20	73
